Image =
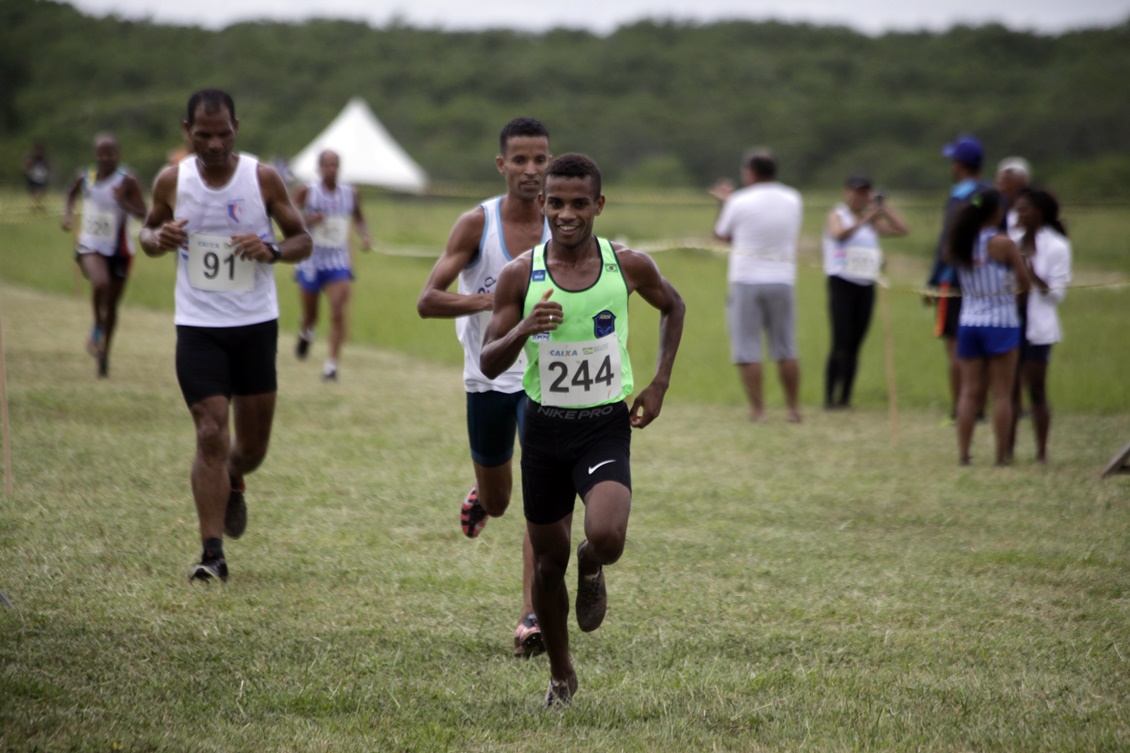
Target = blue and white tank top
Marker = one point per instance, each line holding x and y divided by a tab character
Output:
988	297
331	235
481	276
103	228
215	288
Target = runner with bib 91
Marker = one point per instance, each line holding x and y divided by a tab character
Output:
565	304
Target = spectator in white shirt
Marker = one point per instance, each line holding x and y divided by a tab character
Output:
1047	253
762	223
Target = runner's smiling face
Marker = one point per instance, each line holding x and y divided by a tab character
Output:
571	206
213	136
523	165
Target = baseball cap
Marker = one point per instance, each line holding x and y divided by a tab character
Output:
856	181
966	150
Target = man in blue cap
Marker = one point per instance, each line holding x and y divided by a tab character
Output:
966	156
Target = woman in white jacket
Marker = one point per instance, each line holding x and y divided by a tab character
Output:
1047	252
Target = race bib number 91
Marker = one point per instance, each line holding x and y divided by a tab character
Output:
214	265
862	262
580	373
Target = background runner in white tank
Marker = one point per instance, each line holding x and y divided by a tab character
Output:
110	194
483	240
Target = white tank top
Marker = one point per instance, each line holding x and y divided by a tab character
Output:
103	229
331	235
214	289
857	258
481	276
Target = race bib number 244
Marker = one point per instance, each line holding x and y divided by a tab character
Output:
579	373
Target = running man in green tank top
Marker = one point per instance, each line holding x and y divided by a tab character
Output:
565	303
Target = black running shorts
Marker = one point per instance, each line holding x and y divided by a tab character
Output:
492	420
567	451
227	360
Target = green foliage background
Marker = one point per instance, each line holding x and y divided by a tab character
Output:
656	103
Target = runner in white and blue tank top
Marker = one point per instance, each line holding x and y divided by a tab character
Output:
330	260
331	208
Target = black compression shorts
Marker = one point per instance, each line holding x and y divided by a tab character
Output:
567	451
227	360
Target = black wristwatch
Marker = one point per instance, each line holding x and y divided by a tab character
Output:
275	251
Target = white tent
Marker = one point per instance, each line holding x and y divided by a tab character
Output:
369	155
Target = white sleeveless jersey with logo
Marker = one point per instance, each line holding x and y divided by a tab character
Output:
331	235
103	228
988	295
481	276
236	208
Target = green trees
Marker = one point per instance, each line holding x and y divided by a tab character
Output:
653	102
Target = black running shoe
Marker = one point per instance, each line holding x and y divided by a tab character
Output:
472	516
210	568
103	366
528	641
235	517
592	596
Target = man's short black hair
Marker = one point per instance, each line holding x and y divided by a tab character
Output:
213	100
762	164
521	127
575	166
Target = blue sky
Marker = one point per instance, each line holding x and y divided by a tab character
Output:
603	16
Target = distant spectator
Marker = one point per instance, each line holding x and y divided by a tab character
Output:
762	222
37	172
1013	176
852	261
1047	253
966	156
990	271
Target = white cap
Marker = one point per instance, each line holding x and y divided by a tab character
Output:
1015	165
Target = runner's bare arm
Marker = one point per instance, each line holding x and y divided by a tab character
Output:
72	194
160	234
507	331
1002	247
130	198
296	244
643	277
462	246
359	222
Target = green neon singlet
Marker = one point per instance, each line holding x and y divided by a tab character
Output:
584	362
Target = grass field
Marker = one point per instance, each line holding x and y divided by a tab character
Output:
1087	374
814	587
821	587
